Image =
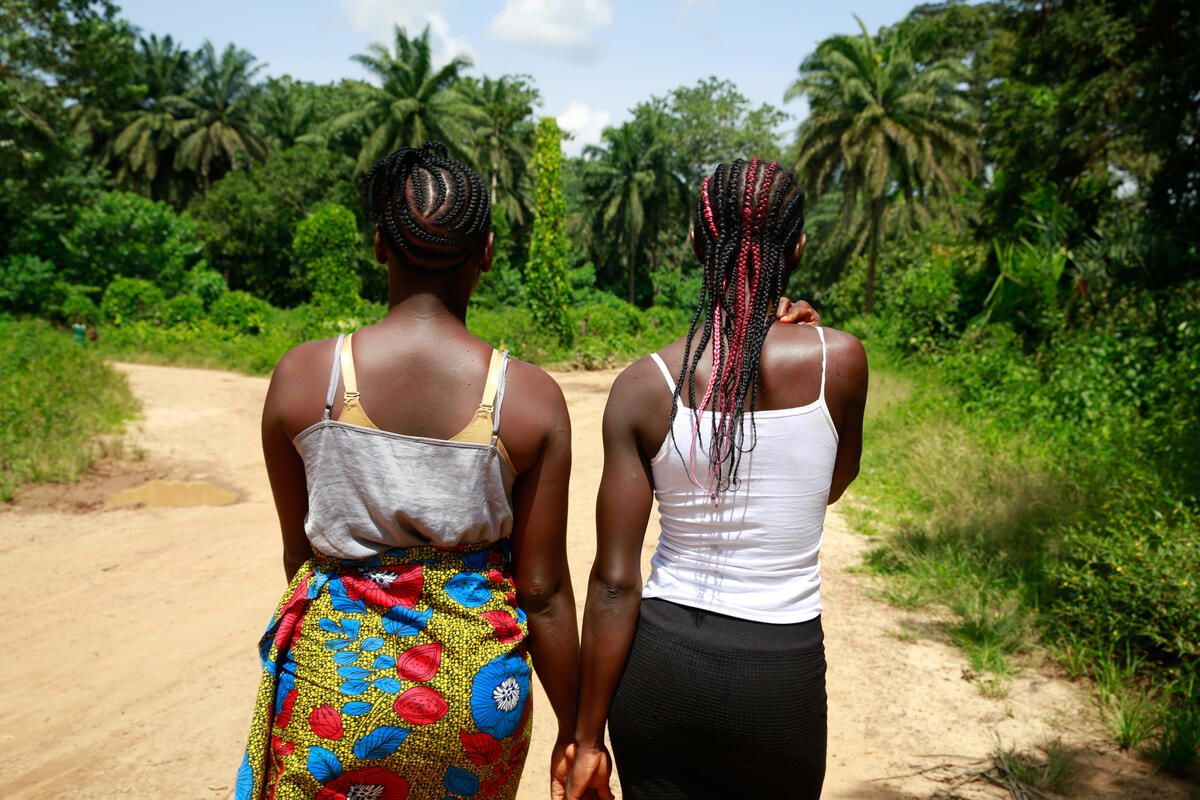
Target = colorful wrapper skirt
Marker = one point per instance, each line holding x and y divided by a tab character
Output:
400	677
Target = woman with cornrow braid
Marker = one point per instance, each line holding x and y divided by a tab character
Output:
424	534
711	678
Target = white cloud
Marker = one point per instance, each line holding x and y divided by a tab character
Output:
375	18
562	26
584	123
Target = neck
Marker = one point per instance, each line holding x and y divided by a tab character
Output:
426	305
428	296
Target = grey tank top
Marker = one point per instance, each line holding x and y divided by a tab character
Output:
370	490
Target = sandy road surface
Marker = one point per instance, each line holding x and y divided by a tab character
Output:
130	667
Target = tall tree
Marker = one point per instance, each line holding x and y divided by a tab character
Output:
712	122
546	272
215	119
55	56
414	102
881	124
504	143
142	155
633	181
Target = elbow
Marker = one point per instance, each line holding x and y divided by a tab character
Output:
615	587
840	485
539	597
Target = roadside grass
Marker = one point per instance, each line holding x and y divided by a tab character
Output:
608	335
57	398
1047	768
1019	539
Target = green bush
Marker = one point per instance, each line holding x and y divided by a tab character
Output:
207	284
183	309
26	283
77	303
241	312
126	235
55	396
326	245
130	300
1131	586
248	219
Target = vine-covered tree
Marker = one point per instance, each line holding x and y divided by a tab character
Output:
546	272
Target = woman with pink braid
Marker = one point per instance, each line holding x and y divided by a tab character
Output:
711	677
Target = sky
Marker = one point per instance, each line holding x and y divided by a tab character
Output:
592	60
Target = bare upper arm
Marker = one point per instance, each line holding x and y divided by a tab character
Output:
632	433
536	428
846	396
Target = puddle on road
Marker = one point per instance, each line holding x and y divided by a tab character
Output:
173	494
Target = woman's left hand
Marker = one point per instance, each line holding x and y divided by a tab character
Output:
561	759
800	312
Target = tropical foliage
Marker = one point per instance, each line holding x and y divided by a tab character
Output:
1001	200
891	132
414	101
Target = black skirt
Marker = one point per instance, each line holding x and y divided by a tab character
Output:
721	707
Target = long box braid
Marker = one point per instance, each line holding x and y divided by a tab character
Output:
747	215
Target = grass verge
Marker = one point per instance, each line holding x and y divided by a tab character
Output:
55	398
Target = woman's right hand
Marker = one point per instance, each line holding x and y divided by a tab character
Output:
591	770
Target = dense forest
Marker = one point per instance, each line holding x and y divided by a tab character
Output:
1002	202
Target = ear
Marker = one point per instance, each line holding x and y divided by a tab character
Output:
488	251
381	248
797	250
697	245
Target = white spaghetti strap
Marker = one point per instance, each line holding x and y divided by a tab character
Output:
824	352
501	382
662	366
333	375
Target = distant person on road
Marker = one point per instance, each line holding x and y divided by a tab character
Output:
421	483
712	677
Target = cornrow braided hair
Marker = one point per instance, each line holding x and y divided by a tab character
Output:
747	215
433	211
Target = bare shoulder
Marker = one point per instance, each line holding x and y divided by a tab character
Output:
533	381
638	389
533	395
296	397
846	351
302	360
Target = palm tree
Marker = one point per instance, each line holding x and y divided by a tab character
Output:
414	102
882	126
504	143
634	183
143	153
215	120
288	113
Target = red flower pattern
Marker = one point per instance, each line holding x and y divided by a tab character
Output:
382	784
507	629
421	705
386	586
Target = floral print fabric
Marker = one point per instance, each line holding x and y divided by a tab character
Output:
400	677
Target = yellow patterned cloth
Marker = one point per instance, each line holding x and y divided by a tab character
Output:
400	677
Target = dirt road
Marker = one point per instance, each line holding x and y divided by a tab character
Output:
129	635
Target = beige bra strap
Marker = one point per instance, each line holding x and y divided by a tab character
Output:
493	382
349	380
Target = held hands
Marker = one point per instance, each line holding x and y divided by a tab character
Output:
800	312
590	771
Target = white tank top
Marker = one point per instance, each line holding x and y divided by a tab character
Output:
753	553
